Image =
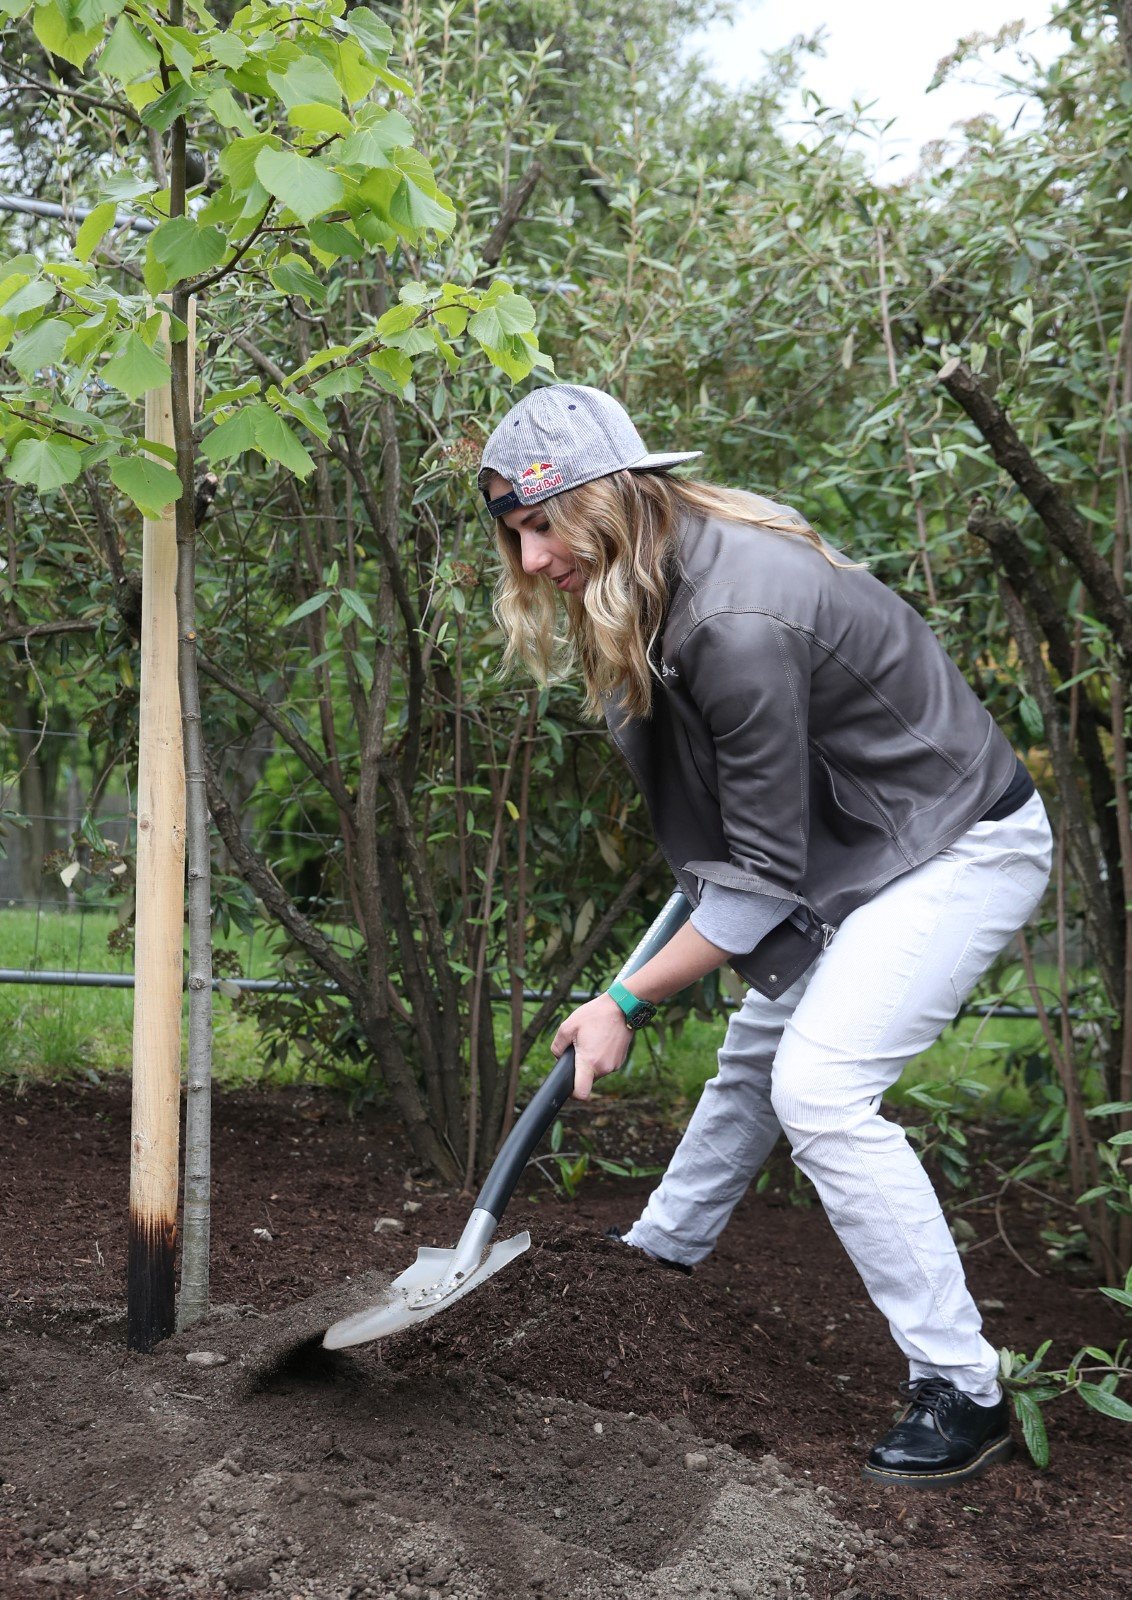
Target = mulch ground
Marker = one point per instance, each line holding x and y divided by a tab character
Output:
770	1350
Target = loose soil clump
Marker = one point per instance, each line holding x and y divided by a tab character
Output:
587	1423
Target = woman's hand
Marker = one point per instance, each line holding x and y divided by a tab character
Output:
601	1038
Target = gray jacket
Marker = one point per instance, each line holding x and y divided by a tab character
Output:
809	739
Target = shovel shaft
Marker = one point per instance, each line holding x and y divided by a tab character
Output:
557	1087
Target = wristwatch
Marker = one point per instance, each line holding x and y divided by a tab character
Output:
637	1013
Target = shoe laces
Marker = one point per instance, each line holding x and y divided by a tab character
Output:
928	1394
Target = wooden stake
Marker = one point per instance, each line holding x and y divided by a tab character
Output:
159	929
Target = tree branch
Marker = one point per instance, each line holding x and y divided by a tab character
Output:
1061	519
260	878
270	714
1006	545
41	629
508	217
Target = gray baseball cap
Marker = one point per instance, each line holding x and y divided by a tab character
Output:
560	437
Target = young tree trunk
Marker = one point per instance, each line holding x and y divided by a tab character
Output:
193	1300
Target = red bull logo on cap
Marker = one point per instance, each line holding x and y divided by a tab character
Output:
538	477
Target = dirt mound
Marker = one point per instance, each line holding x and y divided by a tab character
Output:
242	1458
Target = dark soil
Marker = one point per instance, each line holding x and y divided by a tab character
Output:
586	1423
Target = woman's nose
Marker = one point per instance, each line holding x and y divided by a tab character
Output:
534	554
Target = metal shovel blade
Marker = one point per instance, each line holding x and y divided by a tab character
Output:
420	1292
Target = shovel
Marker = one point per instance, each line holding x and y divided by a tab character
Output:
438	1278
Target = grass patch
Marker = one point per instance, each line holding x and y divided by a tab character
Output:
58	1032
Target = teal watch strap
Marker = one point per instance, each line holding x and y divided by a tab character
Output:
636	1012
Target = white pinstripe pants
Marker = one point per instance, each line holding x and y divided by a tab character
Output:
815	1063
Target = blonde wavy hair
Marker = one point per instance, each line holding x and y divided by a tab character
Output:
622	531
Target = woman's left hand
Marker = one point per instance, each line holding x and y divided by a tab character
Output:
601	1038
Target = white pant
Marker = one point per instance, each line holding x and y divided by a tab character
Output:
815	1063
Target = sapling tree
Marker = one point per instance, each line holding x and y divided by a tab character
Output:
308	168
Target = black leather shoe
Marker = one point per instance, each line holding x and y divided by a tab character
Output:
677	1266
942	1438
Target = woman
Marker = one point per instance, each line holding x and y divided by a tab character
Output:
855	835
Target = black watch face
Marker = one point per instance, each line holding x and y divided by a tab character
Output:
641	1014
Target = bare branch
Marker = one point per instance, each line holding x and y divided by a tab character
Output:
259	877
508	217
1061	519
320	769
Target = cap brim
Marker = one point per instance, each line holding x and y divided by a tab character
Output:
666	458
651	463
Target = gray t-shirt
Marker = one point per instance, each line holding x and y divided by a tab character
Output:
736	920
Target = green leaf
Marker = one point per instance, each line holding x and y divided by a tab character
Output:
41	346
305	80
276	441
1109	1405
495	324
30	297
152	487
364	667
228	48
294	276
1032	719
128	55
346	380
374	35
182	249
231	437
317	118
306	408
398	319
412	208
336	239
238	159
300	182
513	358
1111	1108
395	364
1121	1296
163	112
227	397
125	185
134	368
1029	1414
45	464
60	30
315	603
95	229
357	605
228	111
454	318
374	141
257	427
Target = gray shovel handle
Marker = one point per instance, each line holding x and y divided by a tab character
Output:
554	1091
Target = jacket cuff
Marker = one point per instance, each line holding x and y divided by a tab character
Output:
729	876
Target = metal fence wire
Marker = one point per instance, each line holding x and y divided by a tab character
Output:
114	820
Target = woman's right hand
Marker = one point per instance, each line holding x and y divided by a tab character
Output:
601	1038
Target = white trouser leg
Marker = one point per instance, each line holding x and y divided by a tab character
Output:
893	977
732	1131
